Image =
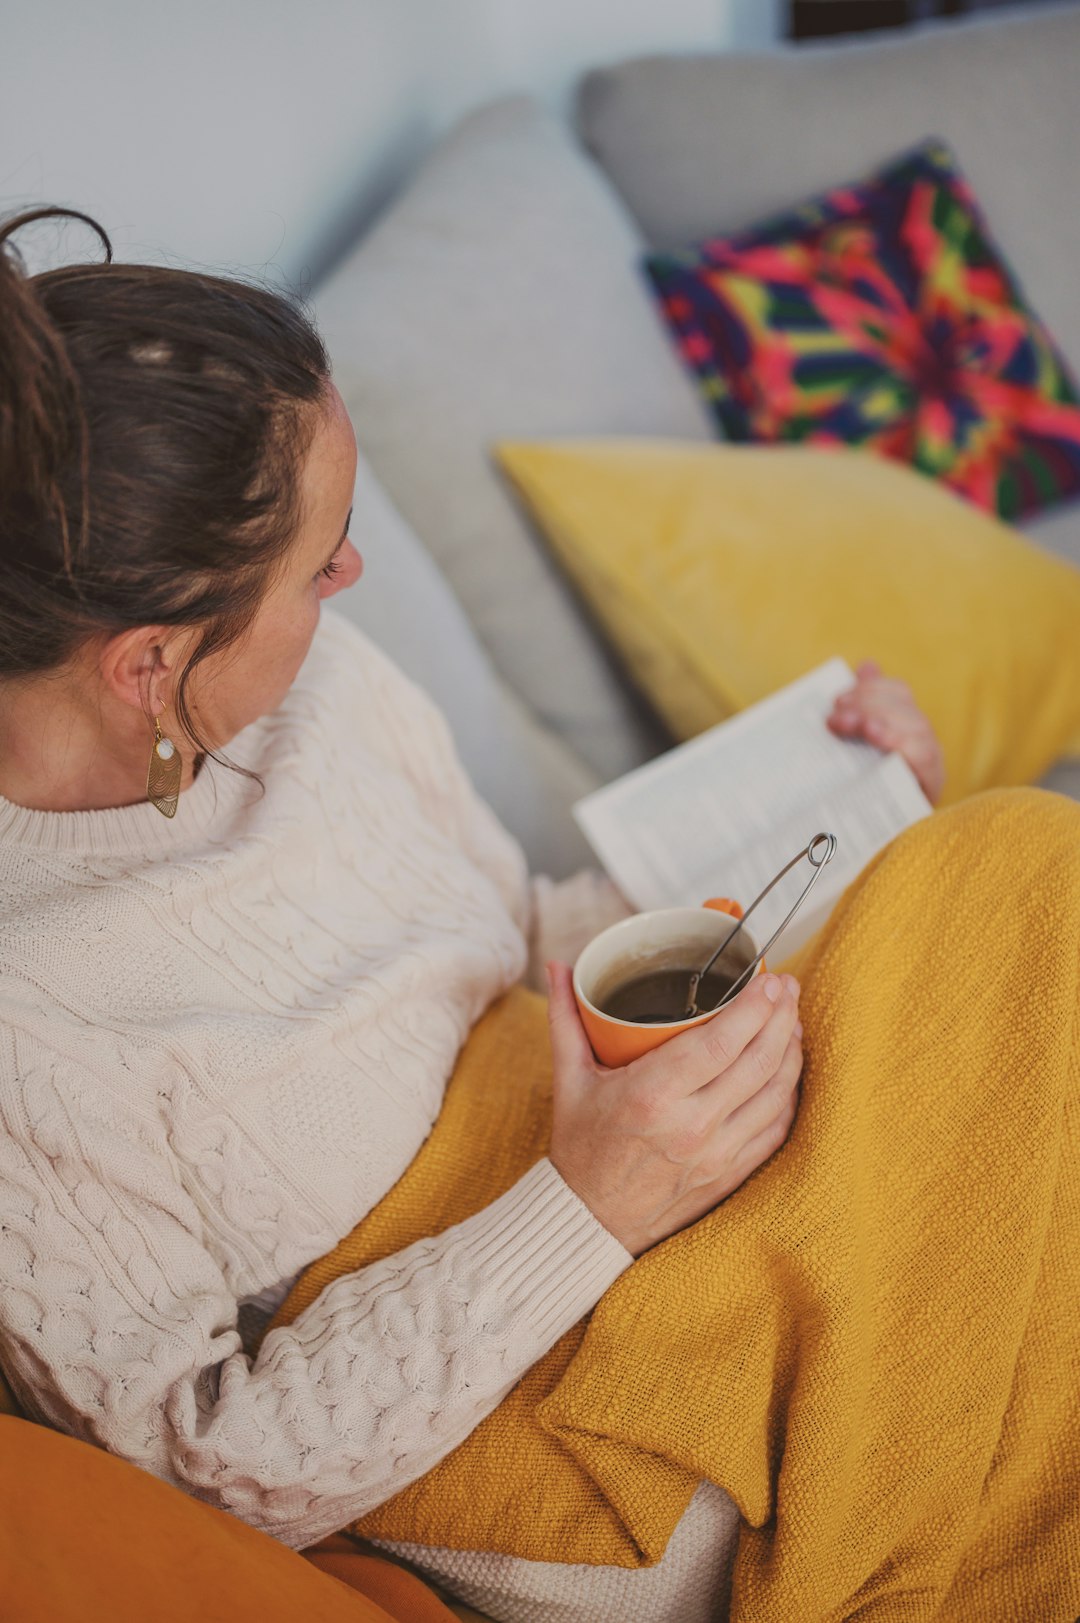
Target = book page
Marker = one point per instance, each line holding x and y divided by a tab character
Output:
654	827
723	813
865	814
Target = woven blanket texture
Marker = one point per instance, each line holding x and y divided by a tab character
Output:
874	1344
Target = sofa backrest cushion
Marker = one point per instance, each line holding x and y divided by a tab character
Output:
526	774
500	297
703	145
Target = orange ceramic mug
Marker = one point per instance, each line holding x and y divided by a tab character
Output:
666	937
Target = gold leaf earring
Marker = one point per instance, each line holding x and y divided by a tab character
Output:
163	773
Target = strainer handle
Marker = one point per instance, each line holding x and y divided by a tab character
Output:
817	863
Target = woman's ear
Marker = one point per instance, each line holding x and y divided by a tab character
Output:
140	666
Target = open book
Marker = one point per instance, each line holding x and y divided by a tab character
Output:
721	814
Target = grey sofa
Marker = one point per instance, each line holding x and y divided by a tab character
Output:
499	297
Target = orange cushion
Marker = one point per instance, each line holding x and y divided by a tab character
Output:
86	1536
340	1555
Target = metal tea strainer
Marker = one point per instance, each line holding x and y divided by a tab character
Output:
817	863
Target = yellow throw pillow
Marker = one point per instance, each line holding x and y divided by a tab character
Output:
722	572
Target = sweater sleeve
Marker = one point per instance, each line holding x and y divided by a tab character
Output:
118	1325
557	918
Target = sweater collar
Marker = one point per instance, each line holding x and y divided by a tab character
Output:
140	829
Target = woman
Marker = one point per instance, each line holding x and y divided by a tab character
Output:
232	999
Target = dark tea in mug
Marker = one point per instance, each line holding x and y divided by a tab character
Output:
661	995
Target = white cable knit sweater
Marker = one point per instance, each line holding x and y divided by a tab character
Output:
222	1040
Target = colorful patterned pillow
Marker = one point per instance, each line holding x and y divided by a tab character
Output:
882	315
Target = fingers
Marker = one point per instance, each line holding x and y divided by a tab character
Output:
886	725
758	1063
758	1149
869	675
884	713
881	696
694	1058
774	1098
570	1045
916	744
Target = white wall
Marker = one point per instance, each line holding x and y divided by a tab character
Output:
261	134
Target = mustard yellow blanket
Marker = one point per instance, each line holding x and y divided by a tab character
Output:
874	1344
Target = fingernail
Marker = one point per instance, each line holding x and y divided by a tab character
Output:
772	987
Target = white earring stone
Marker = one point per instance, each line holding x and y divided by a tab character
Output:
165	748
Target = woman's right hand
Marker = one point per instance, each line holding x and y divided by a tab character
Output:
654	1145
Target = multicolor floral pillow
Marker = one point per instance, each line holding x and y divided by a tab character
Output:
882	315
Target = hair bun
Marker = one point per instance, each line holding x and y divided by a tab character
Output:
40	421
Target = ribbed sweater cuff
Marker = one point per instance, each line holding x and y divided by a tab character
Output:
545	1253
567	913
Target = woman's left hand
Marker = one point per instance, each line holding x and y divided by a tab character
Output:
882	710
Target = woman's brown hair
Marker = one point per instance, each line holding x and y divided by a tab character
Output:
153	423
